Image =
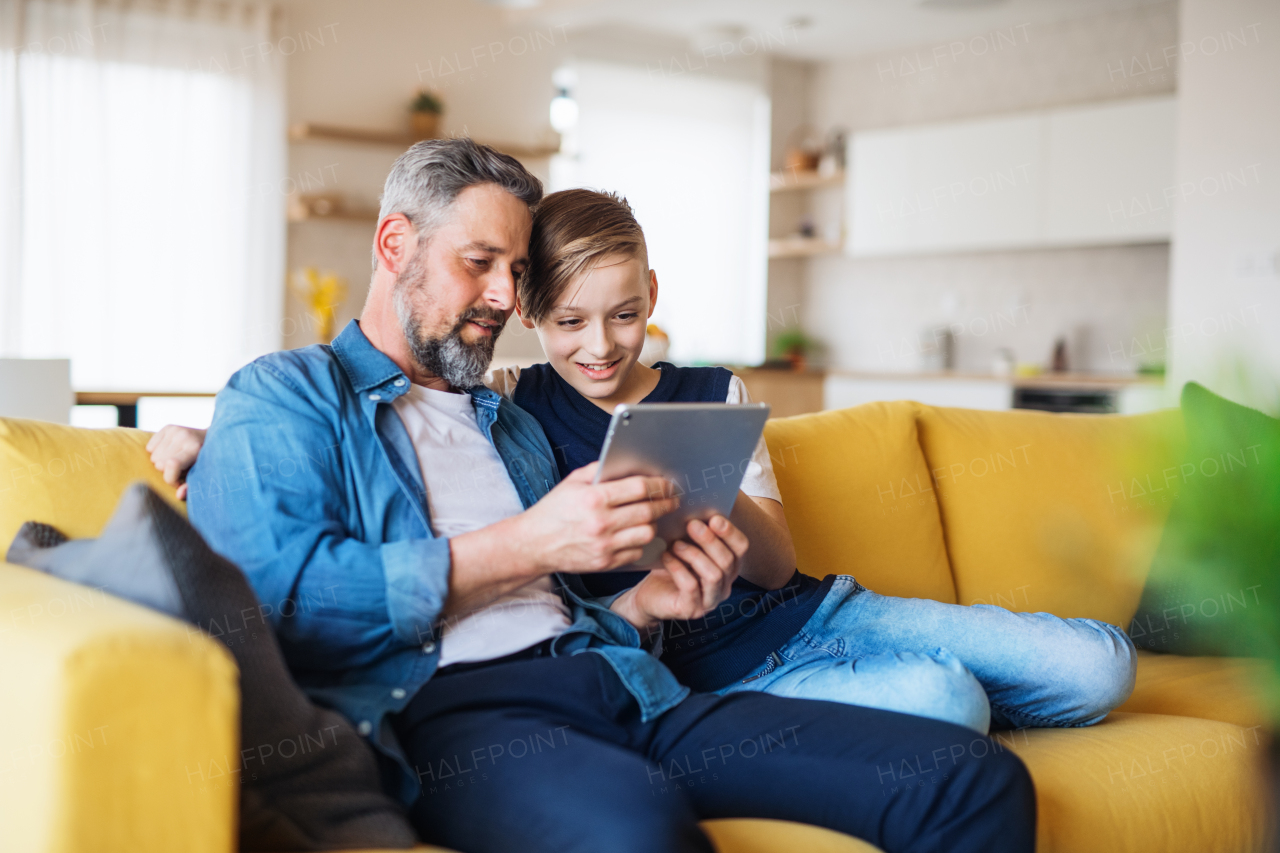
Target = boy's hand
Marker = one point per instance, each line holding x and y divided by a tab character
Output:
173	450
693	578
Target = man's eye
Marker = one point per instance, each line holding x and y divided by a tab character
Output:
480	262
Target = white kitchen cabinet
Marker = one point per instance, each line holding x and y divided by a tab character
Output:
841	391
1111	173
1075	176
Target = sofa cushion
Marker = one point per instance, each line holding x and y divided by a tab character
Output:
1048	512
751	835
1147	782
113	719
858	499
307	781
1222	543
68	477
1226	689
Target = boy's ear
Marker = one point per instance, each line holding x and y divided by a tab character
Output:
524	321
653	292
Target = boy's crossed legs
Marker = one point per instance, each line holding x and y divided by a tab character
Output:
946	661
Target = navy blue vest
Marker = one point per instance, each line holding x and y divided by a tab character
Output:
735	638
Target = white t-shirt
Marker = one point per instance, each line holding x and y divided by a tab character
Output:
468	488
758	482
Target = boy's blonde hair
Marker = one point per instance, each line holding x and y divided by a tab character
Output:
573	230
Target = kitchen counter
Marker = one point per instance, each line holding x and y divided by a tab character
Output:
1085	381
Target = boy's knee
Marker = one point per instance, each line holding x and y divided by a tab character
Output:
949	688
1106	668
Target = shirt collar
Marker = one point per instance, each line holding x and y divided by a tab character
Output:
366	366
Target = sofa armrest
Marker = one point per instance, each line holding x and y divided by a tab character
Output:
119	728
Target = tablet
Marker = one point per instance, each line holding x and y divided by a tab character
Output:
703	448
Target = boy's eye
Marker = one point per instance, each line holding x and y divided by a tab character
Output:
568	324
627	316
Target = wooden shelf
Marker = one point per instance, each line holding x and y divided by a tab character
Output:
130	398
356	215
801	247
786	181
310	132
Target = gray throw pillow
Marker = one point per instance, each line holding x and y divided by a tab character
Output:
325	797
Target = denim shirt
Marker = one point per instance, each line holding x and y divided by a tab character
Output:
309	482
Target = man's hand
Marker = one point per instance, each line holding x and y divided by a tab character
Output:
173	450
580	527
576	527
693	578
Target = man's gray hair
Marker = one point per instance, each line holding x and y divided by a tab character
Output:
426	180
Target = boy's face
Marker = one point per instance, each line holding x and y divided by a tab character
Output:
594	333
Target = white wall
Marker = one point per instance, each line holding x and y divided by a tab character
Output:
1097	297
1225	291
690	154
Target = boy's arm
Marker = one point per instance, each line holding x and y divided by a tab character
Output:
772	559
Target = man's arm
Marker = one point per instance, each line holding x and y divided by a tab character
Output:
269	491
577	527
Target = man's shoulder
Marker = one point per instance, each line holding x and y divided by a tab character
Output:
309	381
297	369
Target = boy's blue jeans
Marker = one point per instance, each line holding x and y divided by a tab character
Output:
976	666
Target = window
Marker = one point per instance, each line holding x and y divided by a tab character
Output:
143	226
691	154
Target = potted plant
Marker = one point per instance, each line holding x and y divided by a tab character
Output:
794	346
424	114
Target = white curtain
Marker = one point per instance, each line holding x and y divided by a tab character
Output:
691	154
142	148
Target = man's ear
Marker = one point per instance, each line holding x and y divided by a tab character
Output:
524	321
653	292
394	243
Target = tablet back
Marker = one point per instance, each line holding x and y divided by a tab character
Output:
704	448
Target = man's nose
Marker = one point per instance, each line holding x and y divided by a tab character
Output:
500	290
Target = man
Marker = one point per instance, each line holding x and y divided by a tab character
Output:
407	526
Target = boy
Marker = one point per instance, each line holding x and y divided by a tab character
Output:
588	293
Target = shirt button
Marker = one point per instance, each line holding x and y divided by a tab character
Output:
428	647
398	693
399	383
375	397
365	727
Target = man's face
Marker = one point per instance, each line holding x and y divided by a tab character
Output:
458	289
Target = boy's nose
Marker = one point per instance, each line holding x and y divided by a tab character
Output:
599	343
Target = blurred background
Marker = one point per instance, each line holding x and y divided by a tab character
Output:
1071	205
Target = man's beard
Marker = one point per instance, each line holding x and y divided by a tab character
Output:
457	362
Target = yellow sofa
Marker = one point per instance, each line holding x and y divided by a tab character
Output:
118	722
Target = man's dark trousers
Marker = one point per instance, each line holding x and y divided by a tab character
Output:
549	754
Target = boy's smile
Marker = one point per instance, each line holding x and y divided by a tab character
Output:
598	370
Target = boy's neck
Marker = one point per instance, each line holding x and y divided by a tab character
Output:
639	384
